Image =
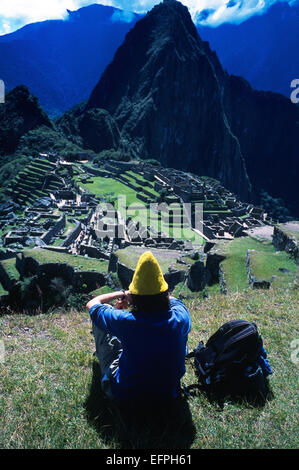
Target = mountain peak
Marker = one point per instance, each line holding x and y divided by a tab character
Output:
171	13
163	91
167	31
20	114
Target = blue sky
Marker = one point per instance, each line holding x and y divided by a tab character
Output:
16	13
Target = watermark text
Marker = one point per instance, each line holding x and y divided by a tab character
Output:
2	352
295	353
295	92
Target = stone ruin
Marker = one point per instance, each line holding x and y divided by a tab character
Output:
98	233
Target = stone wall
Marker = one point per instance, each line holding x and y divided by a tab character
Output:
125	275
213	265
57	249
175	277
92	280
113	262
59	226
82	281
93	252
222	280
284	241
73	235
94	171
142	198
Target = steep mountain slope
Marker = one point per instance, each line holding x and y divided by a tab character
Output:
60	61
42	55
267	126
263	49
172	100
20	114
164	92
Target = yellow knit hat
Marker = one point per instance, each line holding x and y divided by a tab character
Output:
148	278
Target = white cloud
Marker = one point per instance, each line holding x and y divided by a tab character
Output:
217	11
5	28
16	13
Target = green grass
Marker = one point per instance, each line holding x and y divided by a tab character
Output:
294	234
79	262
130	256
50	393
264	265
235	269
108	186
9	266
2	290
6	229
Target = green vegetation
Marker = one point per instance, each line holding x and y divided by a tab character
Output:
20	114
275	207
2	290
9	266
166	258
111	154
25	131
80	262
108	189
291	229
267	264
34	181
51	398
8	171
44	140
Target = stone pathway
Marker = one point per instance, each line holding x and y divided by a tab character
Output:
261	233
294	226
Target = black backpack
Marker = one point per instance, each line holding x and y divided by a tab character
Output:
229	363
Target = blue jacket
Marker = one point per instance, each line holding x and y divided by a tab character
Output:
154	346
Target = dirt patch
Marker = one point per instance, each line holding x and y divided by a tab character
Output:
293	226
261	233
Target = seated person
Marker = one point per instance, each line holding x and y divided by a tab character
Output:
141	351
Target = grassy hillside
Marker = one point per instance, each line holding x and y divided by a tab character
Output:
51	398
266	263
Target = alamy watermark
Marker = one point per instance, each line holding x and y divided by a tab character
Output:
174	220
2	91
295	93
2	352
295	353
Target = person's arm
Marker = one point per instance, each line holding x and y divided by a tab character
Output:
107	298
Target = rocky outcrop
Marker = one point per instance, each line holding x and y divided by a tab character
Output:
125	275
214	258
174	277
198	277
81	281
285	241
